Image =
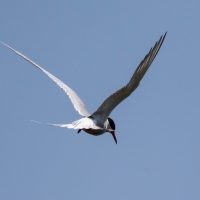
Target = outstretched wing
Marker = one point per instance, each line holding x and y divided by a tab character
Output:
77	102
111	102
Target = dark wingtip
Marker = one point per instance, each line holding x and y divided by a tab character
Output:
165	33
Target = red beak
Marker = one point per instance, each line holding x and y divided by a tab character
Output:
114	136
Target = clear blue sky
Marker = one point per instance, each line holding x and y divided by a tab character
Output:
94	47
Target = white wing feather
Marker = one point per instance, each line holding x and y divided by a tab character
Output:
77	102
111	102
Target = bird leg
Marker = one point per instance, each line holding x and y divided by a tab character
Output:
79	130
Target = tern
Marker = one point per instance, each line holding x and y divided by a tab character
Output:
99	122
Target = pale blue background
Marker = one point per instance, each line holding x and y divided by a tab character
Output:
94	47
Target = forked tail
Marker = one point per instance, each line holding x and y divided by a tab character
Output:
60	125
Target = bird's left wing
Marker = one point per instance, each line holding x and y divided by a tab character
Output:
77	102
111	102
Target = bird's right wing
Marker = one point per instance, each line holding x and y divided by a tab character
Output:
77	102
112	101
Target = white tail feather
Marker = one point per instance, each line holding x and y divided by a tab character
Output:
60	125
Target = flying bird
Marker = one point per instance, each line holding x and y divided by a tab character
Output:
99	122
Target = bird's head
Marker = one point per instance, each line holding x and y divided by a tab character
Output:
112	127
